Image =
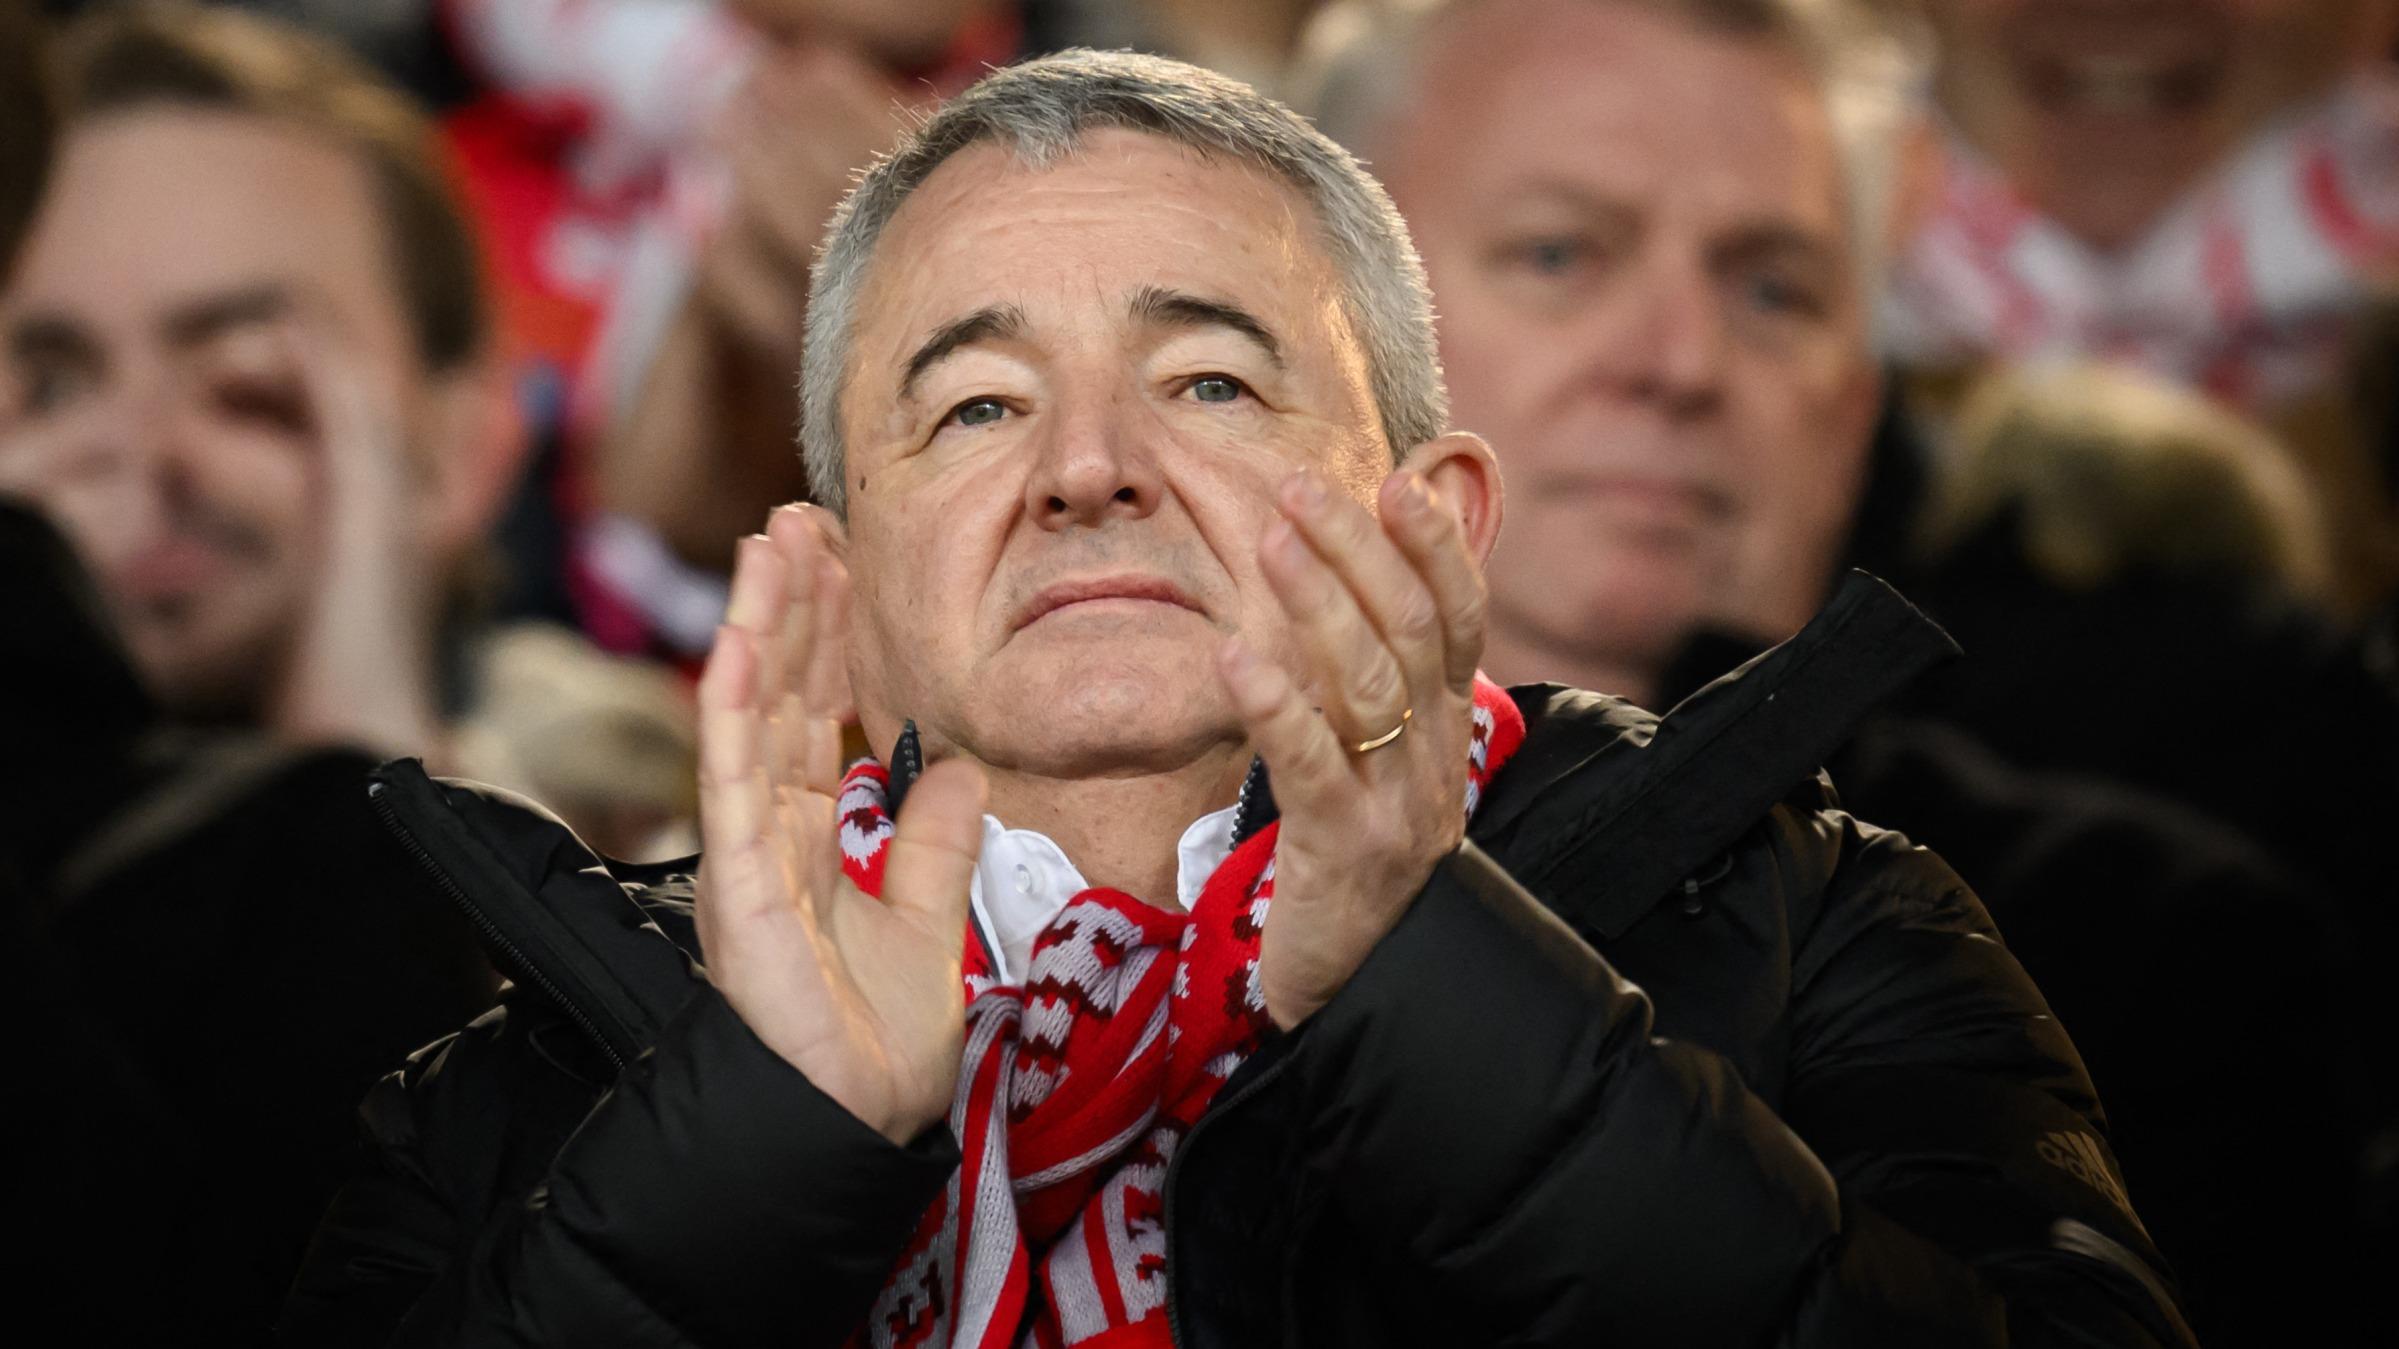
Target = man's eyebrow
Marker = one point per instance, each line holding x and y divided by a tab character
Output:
1769	240
1158	307
40	336
197	321
991	323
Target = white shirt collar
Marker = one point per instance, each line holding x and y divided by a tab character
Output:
1023	879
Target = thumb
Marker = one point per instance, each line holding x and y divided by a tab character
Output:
934	845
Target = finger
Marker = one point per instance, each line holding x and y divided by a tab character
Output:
783	196
1434	541
1301	751
734	803
934	845
796	540
755	603
831	86
795	532
795	635
783	640
728	700
827	680
352	408
823	679
1357	680
1380	578
747	281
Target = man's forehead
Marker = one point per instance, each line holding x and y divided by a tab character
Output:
1123	215
160	213
1625	100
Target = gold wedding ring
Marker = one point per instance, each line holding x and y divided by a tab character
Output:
1386	737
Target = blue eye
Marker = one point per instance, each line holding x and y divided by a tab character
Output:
1216	389
978	412
1553	257
1777	295
50	386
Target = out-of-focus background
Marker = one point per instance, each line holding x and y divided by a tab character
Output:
2078	319
2170	226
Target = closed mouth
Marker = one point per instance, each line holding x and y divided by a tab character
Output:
1151	589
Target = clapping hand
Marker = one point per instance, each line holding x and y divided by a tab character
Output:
861	994
1367	740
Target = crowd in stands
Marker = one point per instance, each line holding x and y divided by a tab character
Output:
398	378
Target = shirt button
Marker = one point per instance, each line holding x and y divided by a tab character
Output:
1024	879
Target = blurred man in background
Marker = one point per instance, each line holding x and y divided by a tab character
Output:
2201	187
651	177
251	344
206	276
1652	233
2206	190
1652	306
263	395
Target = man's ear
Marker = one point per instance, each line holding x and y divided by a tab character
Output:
1464	475
476	444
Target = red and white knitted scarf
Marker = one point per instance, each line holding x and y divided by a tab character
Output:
2247	290
1076	1089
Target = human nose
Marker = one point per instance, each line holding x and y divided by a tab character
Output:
129	427
1666	339
1094	465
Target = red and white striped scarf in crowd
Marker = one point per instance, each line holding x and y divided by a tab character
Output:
2248	289
1076	1088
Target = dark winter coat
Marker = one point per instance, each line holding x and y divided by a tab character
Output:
1671	1052
214	948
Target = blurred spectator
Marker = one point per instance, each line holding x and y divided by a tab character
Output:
1650	230
2205	188
2128	571
605	741
2106	473
169	893
1251	40
257	386
651	177
1671	364
262	397
2128	567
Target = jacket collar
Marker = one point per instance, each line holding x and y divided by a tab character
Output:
1607	806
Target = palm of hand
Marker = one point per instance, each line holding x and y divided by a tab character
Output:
861	994
1366	732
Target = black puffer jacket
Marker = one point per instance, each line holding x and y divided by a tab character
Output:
1672	1052
168	893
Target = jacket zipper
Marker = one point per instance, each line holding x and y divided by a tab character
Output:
514	955
1174	1301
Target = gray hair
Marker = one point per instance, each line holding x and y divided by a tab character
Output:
1040	110
1359	59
